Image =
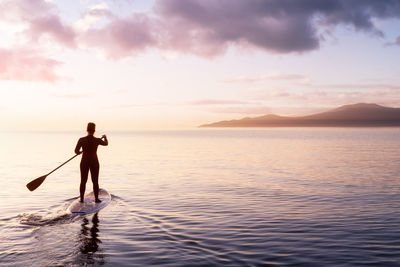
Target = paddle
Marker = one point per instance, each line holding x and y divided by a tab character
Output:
38	181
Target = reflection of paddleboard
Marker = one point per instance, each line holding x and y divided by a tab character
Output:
89	206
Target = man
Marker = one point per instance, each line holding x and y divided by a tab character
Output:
89	160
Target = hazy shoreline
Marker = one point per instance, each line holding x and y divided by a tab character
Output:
357	115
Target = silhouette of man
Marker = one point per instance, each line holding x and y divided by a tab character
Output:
89	160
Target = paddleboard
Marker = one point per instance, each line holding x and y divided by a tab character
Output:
89	205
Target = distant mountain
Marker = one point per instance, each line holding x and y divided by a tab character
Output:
356	115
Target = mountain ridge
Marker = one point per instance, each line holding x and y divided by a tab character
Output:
353	115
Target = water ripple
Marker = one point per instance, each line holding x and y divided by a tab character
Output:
325	197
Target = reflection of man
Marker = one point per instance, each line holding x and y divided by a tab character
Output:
90	241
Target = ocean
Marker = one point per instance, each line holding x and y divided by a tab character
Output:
207	197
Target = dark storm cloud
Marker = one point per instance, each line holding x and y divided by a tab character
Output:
205	27
213	25
279	26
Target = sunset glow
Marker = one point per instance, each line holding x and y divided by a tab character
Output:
176	64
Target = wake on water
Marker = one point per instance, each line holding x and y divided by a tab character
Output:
39	220
56	214
54	237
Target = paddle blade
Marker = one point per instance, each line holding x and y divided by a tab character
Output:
36	183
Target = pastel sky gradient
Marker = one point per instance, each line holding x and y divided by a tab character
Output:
129	64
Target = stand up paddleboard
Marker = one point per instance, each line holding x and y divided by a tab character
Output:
89	205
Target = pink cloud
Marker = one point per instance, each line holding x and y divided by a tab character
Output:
255	109
26	65
202	27
267	77
207	102
17	10
209	27
41	19
52	26
124	37
73	96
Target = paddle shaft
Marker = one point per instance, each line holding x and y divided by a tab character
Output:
62	165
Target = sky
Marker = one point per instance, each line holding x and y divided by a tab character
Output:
138	64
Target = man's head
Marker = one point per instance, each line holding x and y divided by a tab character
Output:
91	128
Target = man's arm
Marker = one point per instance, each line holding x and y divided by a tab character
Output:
78	147
103	140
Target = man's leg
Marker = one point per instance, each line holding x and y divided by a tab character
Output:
94	173
84	177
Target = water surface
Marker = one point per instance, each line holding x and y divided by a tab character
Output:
241	197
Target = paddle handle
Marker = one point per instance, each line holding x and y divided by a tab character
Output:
62	165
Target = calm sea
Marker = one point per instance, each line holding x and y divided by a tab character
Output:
204	197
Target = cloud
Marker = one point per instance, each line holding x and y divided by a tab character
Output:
383	97
207	102
278	26
94	15
398	40
35	19
124	37
25	64
41	19
291	103
270	76
137	105
73	96
52	26
244	110
202	27
358	86
328	98
230	106
209	27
